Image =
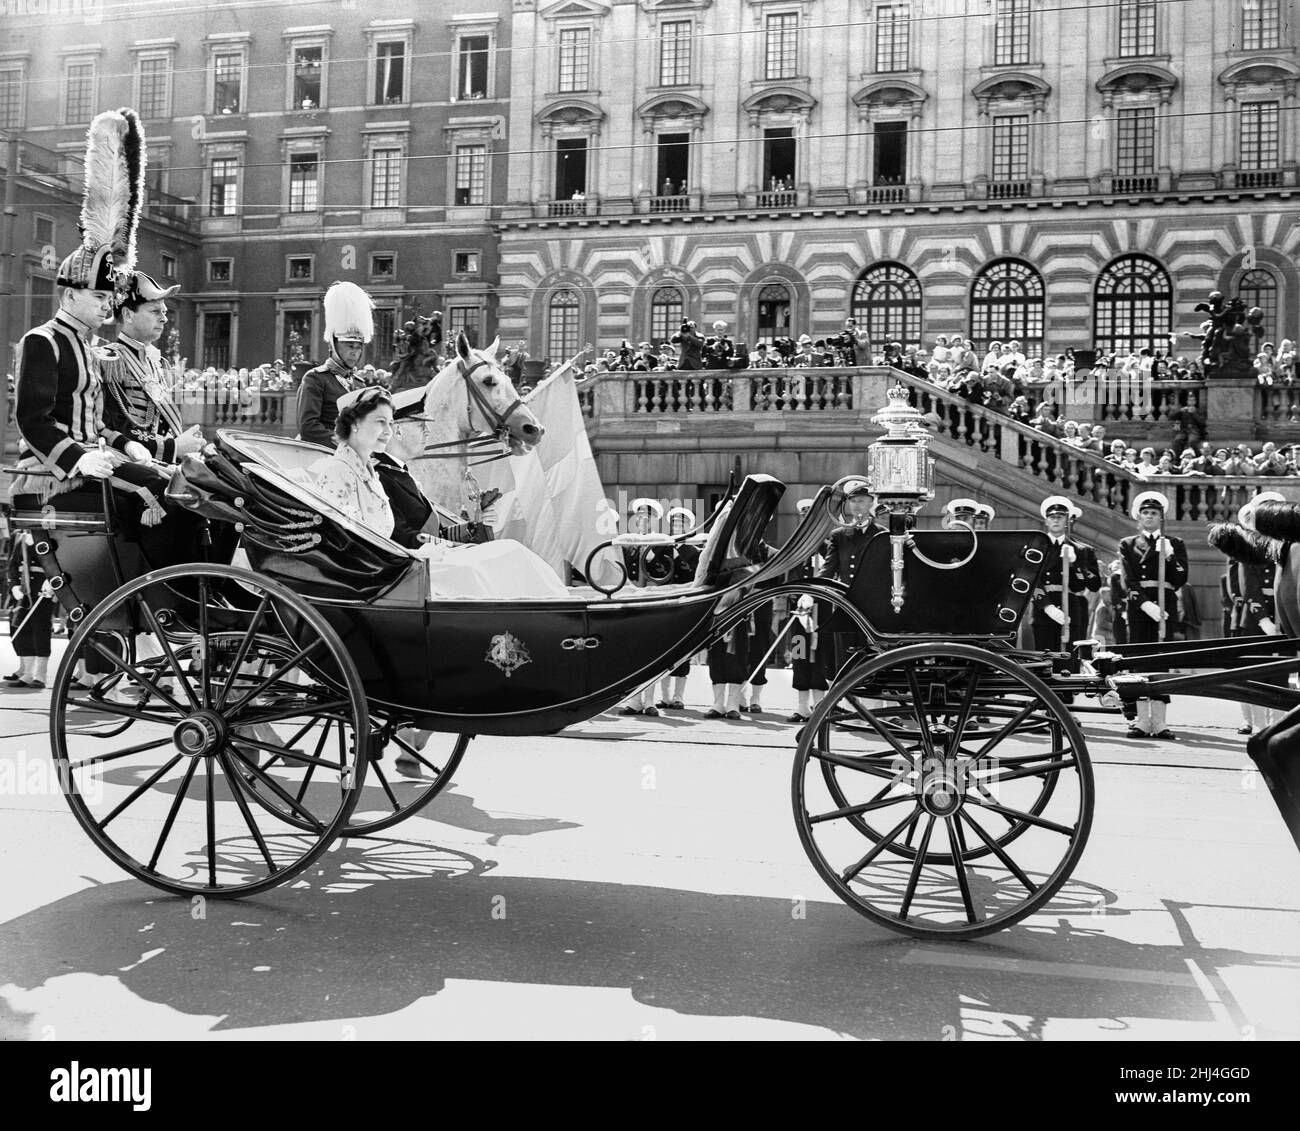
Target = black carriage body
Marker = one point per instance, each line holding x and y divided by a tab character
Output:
984	598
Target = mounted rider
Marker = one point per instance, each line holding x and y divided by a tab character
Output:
349	326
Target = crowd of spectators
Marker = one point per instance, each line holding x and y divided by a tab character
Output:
1276	365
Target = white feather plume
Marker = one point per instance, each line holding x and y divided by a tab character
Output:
348	310
114	181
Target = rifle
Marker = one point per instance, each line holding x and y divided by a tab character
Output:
1160	579
1065	583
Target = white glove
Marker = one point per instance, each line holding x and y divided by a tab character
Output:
1153	611
1067	553
1165	546
189	442
17	591
1054	611
137	452
95	464
1268	625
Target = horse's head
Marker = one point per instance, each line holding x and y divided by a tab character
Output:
493	403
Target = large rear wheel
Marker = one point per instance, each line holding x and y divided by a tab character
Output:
223	696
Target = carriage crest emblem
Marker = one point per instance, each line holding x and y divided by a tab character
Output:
508	653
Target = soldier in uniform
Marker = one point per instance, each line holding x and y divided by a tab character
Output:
349	325
31	615
960	510
1250	589
645	566
1050	601
136	397
672	687
1146	607
844	550
984	516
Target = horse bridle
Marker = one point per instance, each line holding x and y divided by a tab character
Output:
497	430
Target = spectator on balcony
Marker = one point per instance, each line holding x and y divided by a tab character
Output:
1265	361
804	355
1284	367
1116	455
962	353
993	356
645	359
1070	433
692	345
1271	461
939	354
1046	419
1097	441
1146	464
1189	428
1239	462
1021	409
719	349
1203	461
667	358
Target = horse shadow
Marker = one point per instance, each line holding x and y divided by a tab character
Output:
327	949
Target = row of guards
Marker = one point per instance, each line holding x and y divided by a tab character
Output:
1135	600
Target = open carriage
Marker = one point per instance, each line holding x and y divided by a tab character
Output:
941	788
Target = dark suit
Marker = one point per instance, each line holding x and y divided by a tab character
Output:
1085	578
411	510
318	409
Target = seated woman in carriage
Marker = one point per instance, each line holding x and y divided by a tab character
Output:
349	480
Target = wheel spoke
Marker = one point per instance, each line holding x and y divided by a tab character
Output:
1035	771
1008	727
171	813
125	752
998	851
211	807
855	810
288	665
140	790
120	709
1064	830
880	728
879	847
205	645
294	711
134	673
918	709
252	826
418	755
959	865
242	651
852	764
376	768
284	752
917	865
165	645
320	746
275	788
964	711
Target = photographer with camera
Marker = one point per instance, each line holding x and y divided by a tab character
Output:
690	344
719	349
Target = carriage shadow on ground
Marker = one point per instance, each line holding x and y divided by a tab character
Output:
379	925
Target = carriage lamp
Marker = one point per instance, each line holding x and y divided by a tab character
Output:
900	473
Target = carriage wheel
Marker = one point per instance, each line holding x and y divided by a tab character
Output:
928	822
172	806
402	777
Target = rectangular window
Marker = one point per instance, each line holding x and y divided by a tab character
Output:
300	268
472	66
79	105
153	87
1011	33
221	270
781	54
216	339
1011	148
298	333
308	69
1261	24
11	99
224	187
890	164
463	318
304	182
227	82
379	351
390	72
575	59
1259	135
570	167
465	263
1135	142
43	230
674	162
42	301
169	266
471	174
893	28
383	266
779	158
1137	28
675	53
385	178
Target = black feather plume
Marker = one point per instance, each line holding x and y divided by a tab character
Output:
1244	545
1278	520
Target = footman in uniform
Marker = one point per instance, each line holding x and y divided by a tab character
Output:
1060	619
1144	557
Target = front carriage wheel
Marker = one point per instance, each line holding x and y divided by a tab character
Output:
229	706
942	790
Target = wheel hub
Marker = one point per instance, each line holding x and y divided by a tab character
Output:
200	735
941	793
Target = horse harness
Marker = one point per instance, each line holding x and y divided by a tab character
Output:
497	432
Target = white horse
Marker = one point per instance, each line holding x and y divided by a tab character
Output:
471	398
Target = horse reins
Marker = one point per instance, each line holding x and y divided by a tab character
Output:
498	431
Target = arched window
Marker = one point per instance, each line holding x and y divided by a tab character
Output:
1133	308
562	326
666	306
773	312
1259	288
1006	305
887	304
